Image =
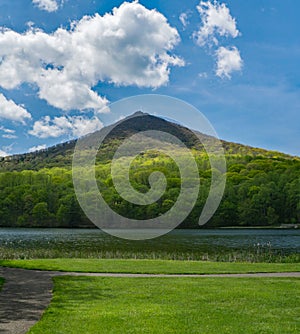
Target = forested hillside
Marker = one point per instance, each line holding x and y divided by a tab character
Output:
262	188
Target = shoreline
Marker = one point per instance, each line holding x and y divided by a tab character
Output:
280	227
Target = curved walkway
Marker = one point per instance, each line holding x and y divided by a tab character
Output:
23	298
27	293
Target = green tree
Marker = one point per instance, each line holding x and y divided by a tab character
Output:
40	214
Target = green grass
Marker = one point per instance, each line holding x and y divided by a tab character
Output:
149	266
172	305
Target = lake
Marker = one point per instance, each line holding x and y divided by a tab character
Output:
33	242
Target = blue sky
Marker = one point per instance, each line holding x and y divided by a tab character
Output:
236	61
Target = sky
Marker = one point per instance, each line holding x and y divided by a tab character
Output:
62	62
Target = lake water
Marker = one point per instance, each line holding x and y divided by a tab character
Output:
177	240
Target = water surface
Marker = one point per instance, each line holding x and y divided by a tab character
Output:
177	240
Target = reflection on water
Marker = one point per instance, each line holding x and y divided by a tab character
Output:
179	240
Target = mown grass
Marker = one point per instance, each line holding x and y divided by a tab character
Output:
172	305
149	266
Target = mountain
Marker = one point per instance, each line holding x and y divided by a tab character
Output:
262	189
60	155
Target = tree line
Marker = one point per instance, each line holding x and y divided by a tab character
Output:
260	191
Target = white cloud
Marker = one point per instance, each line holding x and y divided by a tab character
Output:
47	5
5	150
76	126
216	21
183	17
203	75
37	148
3	153
130	46
8	136
8	133
2	128
11	111
228	61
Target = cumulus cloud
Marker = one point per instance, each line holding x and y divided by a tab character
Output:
228	61
11	111
37	148
216	21
76	126
47	5
130	46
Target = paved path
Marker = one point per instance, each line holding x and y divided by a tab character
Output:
27	293
23	299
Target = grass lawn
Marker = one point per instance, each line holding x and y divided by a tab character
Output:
172	305
149	266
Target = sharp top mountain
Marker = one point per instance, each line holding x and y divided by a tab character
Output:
262	187
61	155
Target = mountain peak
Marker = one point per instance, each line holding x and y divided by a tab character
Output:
139	113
